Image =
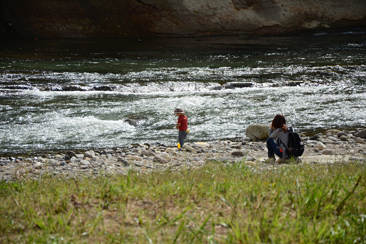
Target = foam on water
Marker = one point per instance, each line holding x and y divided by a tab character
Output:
112	99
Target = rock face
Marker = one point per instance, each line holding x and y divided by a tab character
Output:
128	18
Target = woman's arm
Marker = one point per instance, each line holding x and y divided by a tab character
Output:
274	133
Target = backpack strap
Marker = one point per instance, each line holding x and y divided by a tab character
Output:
290	130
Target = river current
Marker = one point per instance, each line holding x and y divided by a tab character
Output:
82	94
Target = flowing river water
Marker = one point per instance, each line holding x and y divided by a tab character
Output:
82	94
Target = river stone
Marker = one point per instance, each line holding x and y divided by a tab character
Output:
160	160
320	145
89	154
361	134
342	133
80	155
327	141
54	162
360	140
125	163
171	150
84	162
151	152
332	132
334	139
202	144
134	158
144	152
343	138
257	132
249	158
328	152
188	148
250	163
315	137
38	165
238	153
70	154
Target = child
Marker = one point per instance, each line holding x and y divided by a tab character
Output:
182	126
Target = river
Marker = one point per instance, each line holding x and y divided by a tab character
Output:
82	94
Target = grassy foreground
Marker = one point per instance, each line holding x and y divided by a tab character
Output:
218	203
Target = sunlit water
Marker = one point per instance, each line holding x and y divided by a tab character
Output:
59	95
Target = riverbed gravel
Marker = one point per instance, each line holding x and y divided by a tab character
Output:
333	146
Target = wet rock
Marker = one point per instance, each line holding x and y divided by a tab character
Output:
104	88
238	85
293	83
73	88
131	122
17	87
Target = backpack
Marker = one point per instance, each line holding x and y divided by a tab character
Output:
295	147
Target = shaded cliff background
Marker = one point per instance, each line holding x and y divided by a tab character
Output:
139	18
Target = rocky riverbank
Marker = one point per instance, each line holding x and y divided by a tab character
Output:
329	147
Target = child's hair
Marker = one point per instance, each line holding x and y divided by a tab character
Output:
278	121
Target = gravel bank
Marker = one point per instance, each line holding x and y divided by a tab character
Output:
330	147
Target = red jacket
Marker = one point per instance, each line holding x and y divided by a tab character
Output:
183	121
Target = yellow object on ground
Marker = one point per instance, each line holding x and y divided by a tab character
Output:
178	145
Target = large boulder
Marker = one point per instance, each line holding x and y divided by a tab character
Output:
257	132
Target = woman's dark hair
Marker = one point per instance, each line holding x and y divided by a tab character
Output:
278	121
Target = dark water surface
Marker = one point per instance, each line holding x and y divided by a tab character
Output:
81	94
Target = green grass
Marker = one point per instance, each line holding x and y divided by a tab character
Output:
218	203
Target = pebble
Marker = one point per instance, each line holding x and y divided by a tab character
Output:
360	140
142	157
319	145
343	138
